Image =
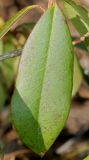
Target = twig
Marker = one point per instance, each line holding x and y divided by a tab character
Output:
16	53
81	39
10	55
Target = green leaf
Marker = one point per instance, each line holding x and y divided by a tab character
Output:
41	101
77	77
79	17
81	12
69	10
14	19
87	158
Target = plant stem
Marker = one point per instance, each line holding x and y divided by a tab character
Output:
81	39
17	53
51	3
10	55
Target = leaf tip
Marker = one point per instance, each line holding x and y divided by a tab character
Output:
41	154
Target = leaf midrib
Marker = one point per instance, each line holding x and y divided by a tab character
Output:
51	30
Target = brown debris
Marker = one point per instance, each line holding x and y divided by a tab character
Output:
12	135
16	154
78	117
84	91
6	3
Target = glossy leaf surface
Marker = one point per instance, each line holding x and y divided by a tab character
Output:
41	101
